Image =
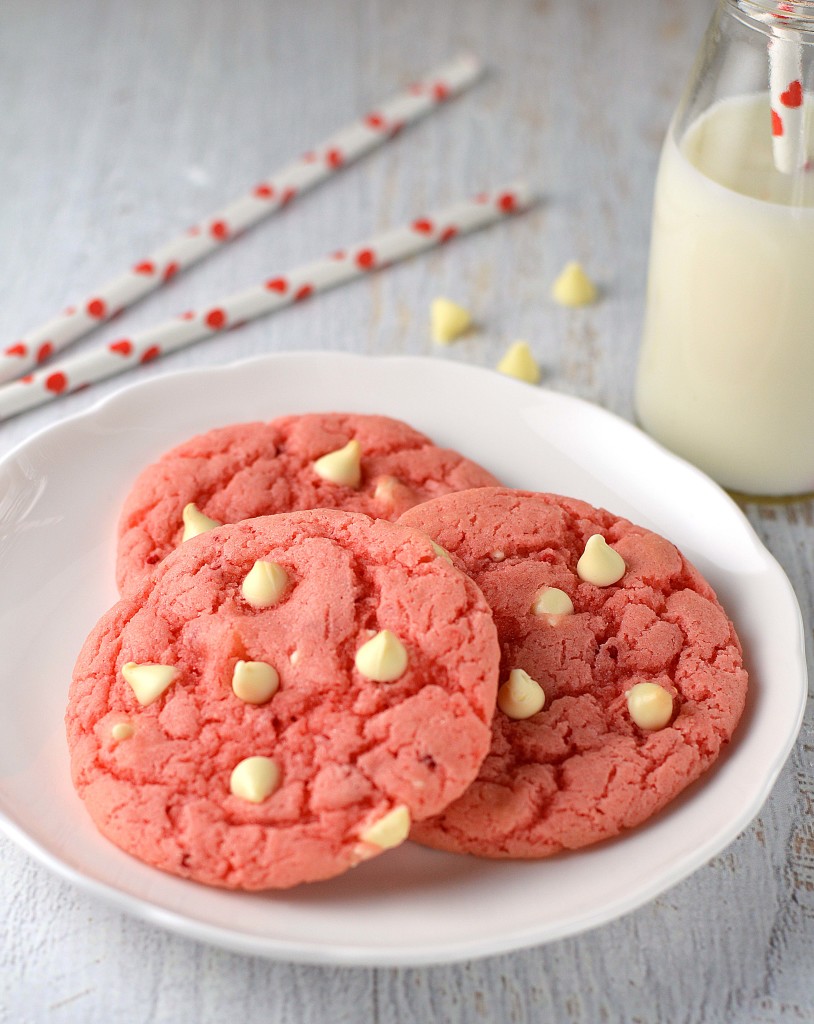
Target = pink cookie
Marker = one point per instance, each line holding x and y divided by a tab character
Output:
580	770
354	742
254	469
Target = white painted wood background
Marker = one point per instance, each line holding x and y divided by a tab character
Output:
120	121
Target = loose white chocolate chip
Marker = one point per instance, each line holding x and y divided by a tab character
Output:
389	831
383	658
122	731
519	362
264	584
255	681
448	320
650	705
599	563
520	696
344	466
149	680
553	601
573	287
498	556
254	778
196	522
441	552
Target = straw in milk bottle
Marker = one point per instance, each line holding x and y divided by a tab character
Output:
726	372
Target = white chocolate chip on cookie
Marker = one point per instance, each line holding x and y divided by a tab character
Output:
344	466
264	584
552	602
599	563
195	522
254	778
148	680
122	731
650	705
520	696
383	658
255	682
389	831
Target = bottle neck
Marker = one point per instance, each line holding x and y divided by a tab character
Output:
795	18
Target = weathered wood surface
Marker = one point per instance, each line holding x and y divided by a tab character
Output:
122	120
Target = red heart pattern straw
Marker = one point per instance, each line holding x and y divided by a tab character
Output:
786	93
268	196
423	233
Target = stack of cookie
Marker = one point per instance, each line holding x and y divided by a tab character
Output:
334	634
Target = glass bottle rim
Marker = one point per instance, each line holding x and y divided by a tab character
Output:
795	16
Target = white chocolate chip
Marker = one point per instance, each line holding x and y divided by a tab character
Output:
519	362
264	584
294	657
520	696
389	831
573	287
344	466
441	552
497	556
599	563
448	320
254	778
383	658
650	705
122	731
553	602
149	680
385	488
255	682
195	522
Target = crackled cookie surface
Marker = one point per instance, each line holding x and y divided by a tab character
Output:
621	676
369	464
282	699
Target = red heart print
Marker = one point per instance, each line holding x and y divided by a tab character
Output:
793	96
334	158
303	292
287	196
448	234
18	349
366	259
264	191
777	124
123	347
215	318
507	202
277	284
29	377
96	308
440	91
45	350
375	121
397	126
56	382
170	270
150	353
145	267
189	315
423	226
219	229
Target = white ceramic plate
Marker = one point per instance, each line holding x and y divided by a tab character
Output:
60	494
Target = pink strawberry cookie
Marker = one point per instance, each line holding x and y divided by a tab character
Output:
358	463
621	676
282	698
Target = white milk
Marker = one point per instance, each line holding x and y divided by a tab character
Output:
726	373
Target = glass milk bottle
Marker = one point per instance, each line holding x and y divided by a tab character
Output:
726	369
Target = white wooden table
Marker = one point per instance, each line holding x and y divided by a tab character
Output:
120	121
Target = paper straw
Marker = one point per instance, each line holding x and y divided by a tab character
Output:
268	196
424	233
786	94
